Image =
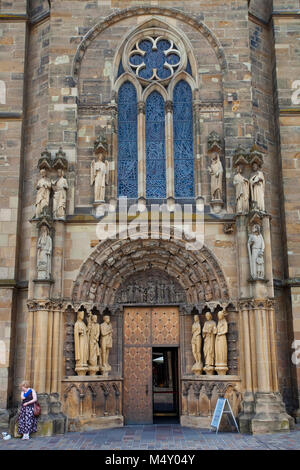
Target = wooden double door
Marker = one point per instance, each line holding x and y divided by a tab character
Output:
145	330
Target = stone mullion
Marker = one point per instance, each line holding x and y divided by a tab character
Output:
114	153
169	149
141	145
198	163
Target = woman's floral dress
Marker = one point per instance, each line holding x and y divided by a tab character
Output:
27	422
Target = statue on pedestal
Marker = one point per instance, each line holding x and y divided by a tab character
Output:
99	169
256	248
216	181
81	344
196	346
209	331
94	349
257	188
44	253
221	345
99	177
60	187
43	193
105	344
241	191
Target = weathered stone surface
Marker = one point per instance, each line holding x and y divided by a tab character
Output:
245	61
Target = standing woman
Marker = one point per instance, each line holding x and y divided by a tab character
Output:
27	422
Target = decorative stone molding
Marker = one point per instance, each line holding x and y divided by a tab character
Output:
146	10
252	304
113	261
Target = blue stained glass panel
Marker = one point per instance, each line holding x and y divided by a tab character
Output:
183	140
155	146
154	59
127	141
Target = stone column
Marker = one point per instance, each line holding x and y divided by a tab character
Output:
263	409
197	149
114	156
56	347
141	151
40	346
169	149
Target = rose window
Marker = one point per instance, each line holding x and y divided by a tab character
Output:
154	58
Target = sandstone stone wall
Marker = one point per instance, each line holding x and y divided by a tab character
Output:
253	58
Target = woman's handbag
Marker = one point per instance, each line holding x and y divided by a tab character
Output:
36	409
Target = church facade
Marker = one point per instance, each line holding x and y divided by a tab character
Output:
150	241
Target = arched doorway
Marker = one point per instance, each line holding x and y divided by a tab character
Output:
151	288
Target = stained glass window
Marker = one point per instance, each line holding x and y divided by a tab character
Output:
154	58
127	141
183	140
155	146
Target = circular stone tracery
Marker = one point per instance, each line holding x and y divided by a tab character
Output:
154	58
154	55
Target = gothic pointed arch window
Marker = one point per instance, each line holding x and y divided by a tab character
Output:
154	85
127	141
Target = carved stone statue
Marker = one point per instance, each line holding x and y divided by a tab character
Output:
221	345
196	346
93	291
105	343
209	331
94	349
60	187
44	253
257	188
216	172
241	191
256	248
43	193
99	177
81	344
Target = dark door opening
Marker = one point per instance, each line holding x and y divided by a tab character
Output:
165	384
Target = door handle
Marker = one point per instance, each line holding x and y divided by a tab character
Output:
147	389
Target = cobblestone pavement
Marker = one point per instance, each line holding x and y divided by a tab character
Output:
157	437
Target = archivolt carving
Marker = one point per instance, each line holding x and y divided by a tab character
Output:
150	10
113	261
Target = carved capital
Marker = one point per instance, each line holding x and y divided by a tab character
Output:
141	107
36	305
169	106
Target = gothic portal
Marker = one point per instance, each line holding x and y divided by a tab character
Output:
149	223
